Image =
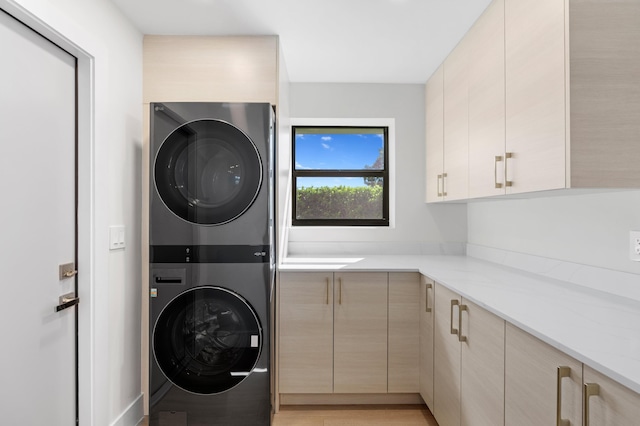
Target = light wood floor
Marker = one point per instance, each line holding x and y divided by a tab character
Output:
350	415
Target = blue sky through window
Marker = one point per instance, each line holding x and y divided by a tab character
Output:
347	150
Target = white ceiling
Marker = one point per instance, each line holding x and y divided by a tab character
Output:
368	41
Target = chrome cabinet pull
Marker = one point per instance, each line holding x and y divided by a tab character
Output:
426	297
507	156
498	159
438	185
563	372
339	291
590	389
461	308
454	302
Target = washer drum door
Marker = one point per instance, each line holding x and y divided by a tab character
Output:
208	172
207	340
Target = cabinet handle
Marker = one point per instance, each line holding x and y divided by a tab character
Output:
438	185
454	302
339	291
444	180
426	298
590	389
562	373
495	171
461	308
327	300
507	156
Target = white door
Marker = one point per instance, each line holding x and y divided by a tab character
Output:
38	212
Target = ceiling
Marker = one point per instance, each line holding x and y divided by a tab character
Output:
366	41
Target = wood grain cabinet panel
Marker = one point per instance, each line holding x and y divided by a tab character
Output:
427	323
614	404
447	349
404	332
604	52
469	363
447	135
487	103
532	381
434	104
210	69
535	94
482	388
306	332
360	332
455	180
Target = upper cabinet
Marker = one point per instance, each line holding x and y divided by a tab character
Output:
211	69
455	178
434	100
535	95
448	140
553	98
487	104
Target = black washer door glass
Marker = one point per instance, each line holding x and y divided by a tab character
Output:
207	340
208	172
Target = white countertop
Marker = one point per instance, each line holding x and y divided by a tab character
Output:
597	328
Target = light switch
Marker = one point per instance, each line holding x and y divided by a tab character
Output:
116	237
634	245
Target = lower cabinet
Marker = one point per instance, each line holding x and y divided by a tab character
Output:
360	332
446	380
468	363
427	323
305	343
348	332
404	333
372	333
607	402
543	386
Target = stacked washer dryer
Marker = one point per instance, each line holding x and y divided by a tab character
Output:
211	263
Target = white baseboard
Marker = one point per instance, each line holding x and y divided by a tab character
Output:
132	415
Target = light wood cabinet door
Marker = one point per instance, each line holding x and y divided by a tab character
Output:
487	103
605	59
613	405
360	332
210	69
434	98
404	332
482	384
427	315
446	399
535	390
535	94
306	332
456	123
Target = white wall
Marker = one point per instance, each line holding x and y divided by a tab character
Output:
110	120
586	229
417	226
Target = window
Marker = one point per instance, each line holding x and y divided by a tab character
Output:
340	176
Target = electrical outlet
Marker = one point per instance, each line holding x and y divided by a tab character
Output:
634	245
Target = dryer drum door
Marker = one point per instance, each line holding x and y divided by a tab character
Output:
207	340
208	172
